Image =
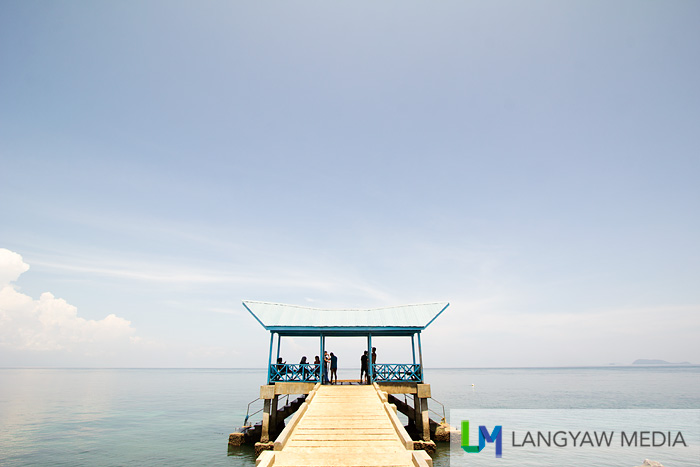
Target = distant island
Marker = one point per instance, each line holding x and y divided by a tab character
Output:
643	361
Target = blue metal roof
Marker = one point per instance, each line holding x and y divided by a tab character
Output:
278	317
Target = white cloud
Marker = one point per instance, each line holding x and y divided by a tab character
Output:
11	266
51	323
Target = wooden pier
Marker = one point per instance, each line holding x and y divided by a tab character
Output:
344	426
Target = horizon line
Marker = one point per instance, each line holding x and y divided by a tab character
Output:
632	365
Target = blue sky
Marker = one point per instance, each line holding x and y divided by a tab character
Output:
535	164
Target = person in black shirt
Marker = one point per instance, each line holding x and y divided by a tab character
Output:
317	368
364	376
334	368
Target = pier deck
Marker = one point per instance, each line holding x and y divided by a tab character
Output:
344	426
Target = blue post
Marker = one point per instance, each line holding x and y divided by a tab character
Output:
413	348
370	367
420	355
279	338
269	357
369	357
320	370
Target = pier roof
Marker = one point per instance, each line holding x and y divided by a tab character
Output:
294	319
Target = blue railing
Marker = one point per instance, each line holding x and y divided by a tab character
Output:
300	372
396	372
310	373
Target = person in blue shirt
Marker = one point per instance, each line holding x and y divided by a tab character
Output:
334	368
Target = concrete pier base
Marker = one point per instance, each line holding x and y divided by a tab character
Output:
442	433
427	446
260	447
236	439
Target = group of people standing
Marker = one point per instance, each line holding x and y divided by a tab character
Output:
330	360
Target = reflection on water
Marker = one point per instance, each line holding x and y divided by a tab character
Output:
244	454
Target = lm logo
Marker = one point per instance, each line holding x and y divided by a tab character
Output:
484	437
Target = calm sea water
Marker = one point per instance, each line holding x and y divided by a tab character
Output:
158	417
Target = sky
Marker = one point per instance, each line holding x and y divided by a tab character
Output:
534	164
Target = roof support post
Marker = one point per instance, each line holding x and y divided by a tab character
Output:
369	360
420	355
370	366
322	360
413	348
279	339
269	357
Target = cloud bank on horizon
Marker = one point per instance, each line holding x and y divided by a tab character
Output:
48	329
49	323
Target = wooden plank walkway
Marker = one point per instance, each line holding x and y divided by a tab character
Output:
344	426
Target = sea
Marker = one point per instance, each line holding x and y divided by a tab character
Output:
183	417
